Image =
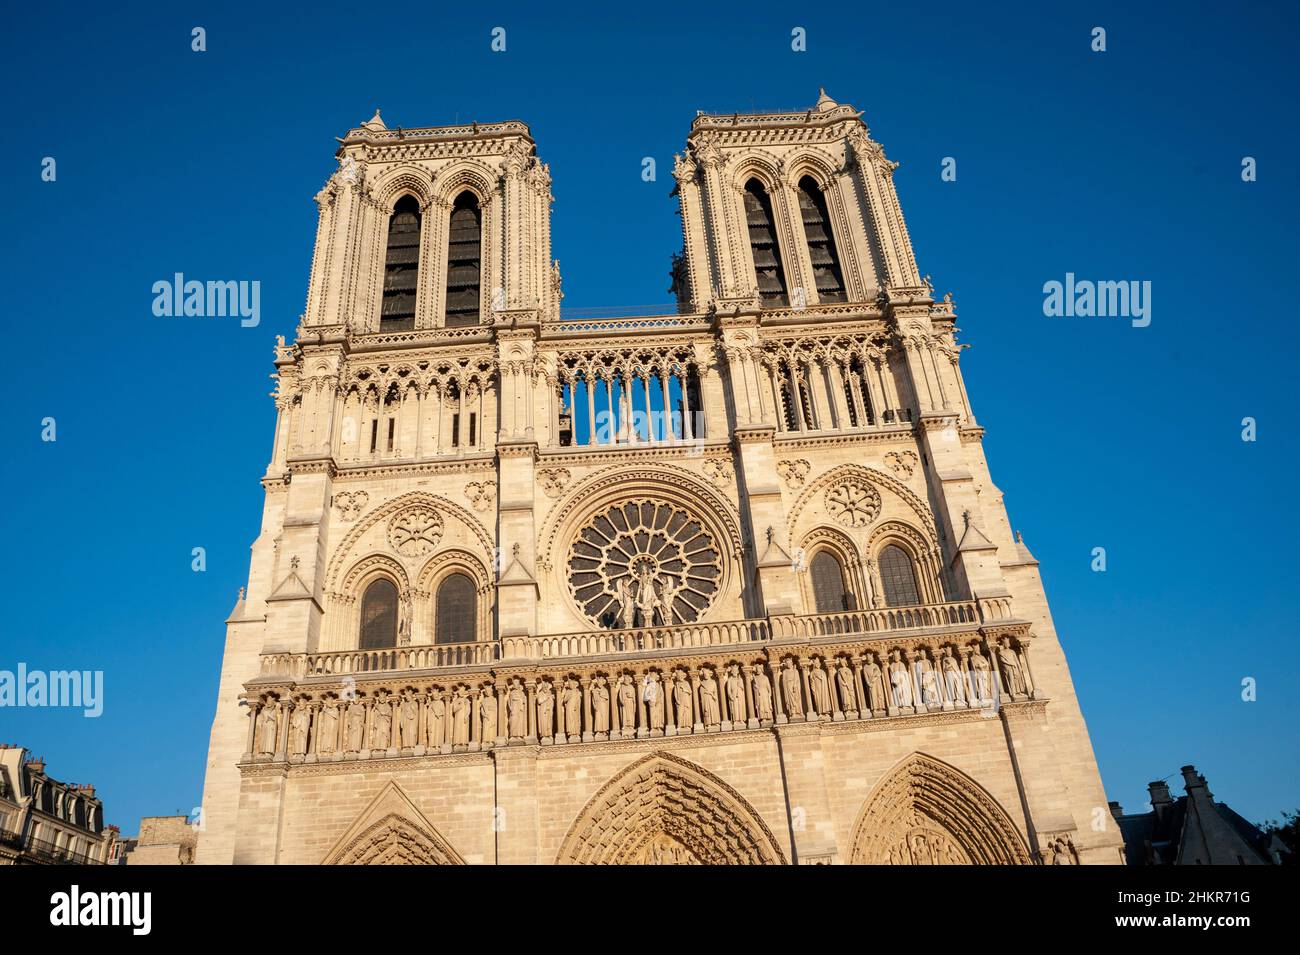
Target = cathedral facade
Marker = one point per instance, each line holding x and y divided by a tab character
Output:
727	585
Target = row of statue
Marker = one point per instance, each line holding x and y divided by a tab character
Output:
574	709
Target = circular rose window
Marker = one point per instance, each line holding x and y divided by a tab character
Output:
644	564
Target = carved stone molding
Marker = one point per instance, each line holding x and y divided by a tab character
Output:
901	463
481	494
415	531
794	472
350	504
554	481
853	503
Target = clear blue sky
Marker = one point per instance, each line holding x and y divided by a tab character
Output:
1122	165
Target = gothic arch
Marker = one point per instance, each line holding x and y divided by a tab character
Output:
441	565
926	558
387	510
603	487
881	480
390	187
462	175
925	810
811	162
392	831
823	538
663	807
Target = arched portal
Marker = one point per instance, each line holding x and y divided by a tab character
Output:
926	812
665	810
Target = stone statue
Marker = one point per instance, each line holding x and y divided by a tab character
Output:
1013	678
572	708
356	726
929	686
981	678
844	683
653	695
487	715
708	699
599	705
403	624
299	725
875	681
545	710
735	694
381	730
627	705
952	677
409	725
819	689
327	727
682	699
437	718
268	726
460	718
646	598
791	692
517	709
626	602
901	680
762	694
666	606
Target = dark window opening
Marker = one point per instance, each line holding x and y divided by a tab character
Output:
830	594
374	435
401	266
473	422
457	610
392	427
898	577
464	258
763	243
821	242
455	430
379	615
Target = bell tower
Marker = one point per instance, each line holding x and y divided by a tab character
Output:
439	227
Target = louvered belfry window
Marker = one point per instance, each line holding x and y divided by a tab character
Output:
766	249
821	242
456	609
898	577
464	257
829	593
379	615
401	266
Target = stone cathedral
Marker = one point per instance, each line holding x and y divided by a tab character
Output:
726	585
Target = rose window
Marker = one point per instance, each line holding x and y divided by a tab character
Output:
853	503
644	564
415	531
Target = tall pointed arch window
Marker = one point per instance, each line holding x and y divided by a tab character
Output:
401	266
898	577
379	615
763	243
821	242
456	610
830	592
464	261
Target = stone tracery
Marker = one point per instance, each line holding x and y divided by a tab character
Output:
665	810
644	563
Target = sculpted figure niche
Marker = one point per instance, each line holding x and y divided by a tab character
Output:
517	709
572	709
487	710
683	700
762	695
545	711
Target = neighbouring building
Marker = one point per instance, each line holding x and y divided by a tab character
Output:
47	822
163	840
1193	830
727	585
